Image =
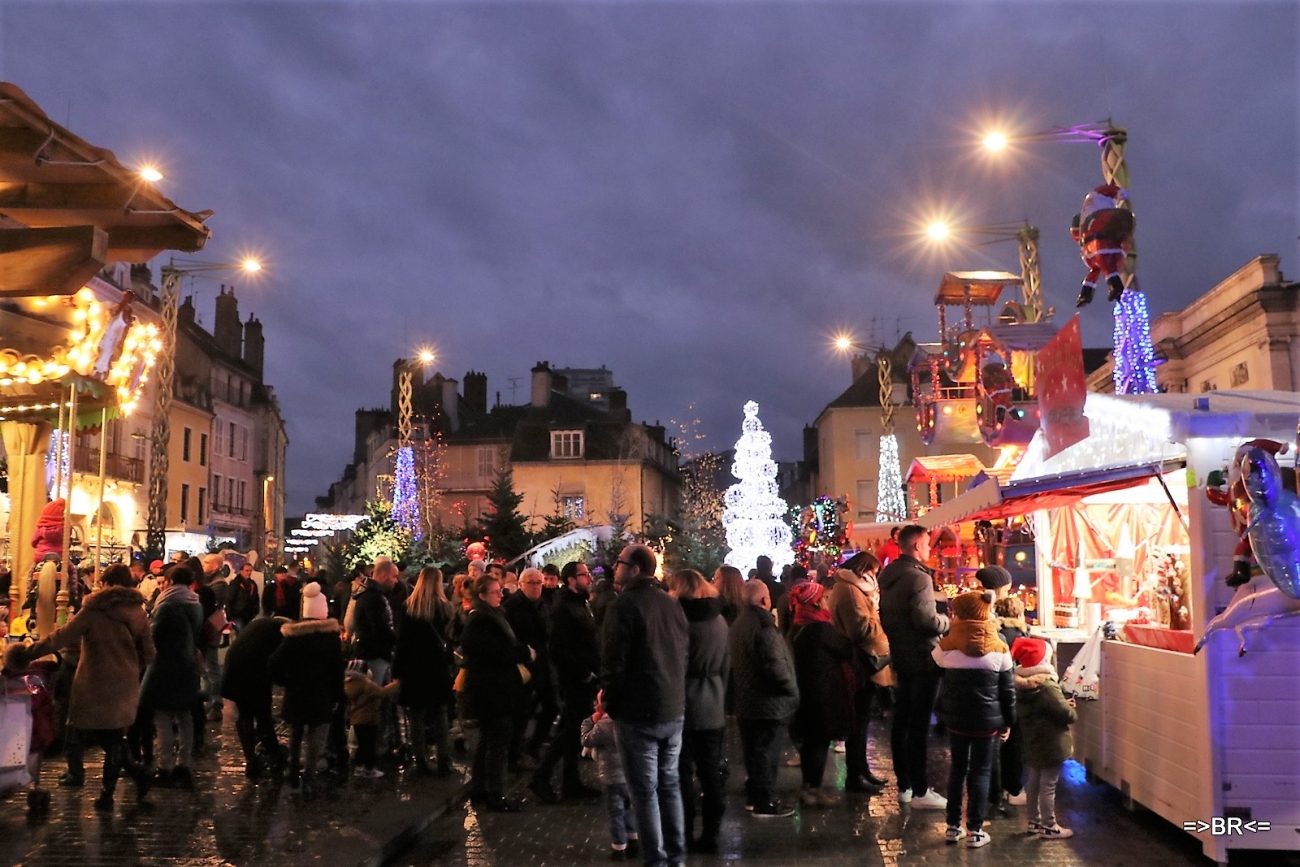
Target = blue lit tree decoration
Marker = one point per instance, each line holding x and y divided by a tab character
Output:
1134	369
406	505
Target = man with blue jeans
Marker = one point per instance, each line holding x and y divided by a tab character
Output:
909	614
643	673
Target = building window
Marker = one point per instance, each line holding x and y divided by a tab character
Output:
216	490
866	445
203	450
487	463
866	503
1240	375
185	504
566	444
243	442
230	493
573	507
219	442
231	444
243	492
203	505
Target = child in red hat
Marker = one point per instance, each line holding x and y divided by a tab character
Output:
1045	716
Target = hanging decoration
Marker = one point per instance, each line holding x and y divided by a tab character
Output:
891	505
406	506
1274	521
753	509
823	531
1103	229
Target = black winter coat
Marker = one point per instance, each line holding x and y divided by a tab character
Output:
762	668
643	646
422	663
492	654
373	624
708	664
309	665
242	599
823	664
292	592
172	681
979	692
602	596
528	620
246	677
909	616
574	648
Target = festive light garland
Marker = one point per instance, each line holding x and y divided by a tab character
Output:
822	530
334	523
1134	370
60	448
406	507
890	504
753	508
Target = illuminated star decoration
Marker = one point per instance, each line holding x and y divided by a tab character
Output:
406	508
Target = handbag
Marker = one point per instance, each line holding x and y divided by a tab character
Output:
1083	678
874	662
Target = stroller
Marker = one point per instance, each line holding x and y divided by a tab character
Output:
26	728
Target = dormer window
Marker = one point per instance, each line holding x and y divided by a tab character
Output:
566	444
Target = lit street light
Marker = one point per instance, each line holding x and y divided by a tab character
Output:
151	174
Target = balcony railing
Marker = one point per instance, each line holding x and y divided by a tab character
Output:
223	509
116	466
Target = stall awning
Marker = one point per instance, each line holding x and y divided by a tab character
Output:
991	501
944	468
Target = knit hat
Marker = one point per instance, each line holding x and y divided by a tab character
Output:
156	564
993	577
314	604
974	605
806	595
358	666
1030	652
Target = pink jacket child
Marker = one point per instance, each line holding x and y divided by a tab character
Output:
48	538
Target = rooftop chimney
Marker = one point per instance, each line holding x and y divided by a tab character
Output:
451	404
227	330
254	344
476	391
618	405
541	385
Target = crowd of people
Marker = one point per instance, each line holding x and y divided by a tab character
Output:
550	666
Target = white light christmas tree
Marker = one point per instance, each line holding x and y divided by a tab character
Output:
754	512
890	505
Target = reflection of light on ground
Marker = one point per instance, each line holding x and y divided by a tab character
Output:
477	851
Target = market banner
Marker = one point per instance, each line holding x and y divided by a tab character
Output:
1062	389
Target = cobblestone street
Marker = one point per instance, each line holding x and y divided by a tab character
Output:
859	831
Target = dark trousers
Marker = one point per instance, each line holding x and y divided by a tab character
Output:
972	763
760	740
913	703
813	752
567	744
1008	766
489	772
367	739
255	724
541	709
139	739
855	745
702	758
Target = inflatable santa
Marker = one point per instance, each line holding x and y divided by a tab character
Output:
1103	229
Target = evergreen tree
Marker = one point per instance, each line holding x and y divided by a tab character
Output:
503	527
378	535
754	514
557	523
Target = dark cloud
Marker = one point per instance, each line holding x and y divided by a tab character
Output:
694	195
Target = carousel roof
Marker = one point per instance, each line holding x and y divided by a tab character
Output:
983	287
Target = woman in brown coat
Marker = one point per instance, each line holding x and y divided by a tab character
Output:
855	614
116	645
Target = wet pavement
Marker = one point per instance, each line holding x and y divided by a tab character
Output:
860	831
226	820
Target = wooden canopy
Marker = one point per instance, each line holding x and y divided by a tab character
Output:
67	207
983	287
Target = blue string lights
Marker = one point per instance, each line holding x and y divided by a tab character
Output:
1134	370
406	506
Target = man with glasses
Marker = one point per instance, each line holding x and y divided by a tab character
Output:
643	673
575	654
527	617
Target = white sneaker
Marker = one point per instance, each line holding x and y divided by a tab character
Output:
976	839
1054	832
954	833
904	796
1017	800
931	800
839	746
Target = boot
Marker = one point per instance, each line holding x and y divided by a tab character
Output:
38	803
1085	296
1116	287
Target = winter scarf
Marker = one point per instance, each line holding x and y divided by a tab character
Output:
180	592
805	599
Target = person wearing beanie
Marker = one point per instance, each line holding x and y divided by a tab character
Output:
365	702
309	665
978	705
1045	719
995	578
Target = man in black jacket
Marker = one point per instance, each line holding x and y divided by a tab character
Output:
372	620
526	615
910	617
766	696
242	602
643	650
576	657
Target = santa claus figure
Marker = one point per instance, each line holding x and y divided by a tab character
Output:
1103	229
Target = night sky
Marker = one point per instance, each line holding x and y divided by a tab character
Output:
695	195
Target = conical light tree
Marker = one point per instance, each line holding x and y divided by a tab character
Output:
754	512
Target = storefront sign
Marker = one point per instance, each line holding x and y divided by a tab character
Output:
1062	389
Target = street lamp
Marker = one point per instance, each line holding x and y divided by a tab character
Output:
172	272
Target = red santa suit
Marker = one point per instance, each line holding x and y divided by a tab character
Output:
1104	235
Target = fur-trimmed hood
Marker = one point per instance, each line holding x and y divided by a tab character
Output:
310	627
1013	623
112	597
1034	676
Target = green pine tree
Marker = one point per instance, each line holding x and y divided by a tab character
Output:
378	535
504	528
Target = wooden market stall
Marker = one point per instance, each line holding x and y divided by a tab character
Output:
1126	534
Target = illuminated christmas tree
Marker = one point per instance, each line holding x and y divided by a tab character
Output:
754	511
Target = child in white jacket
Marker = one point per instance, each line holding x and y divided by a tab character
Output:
601	737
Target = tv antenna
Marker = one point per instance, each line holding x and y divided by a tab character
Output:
514	386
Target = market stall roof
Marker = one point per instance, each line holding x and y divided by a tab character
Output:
1023	336
944	468
984	287
51	178
991	501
